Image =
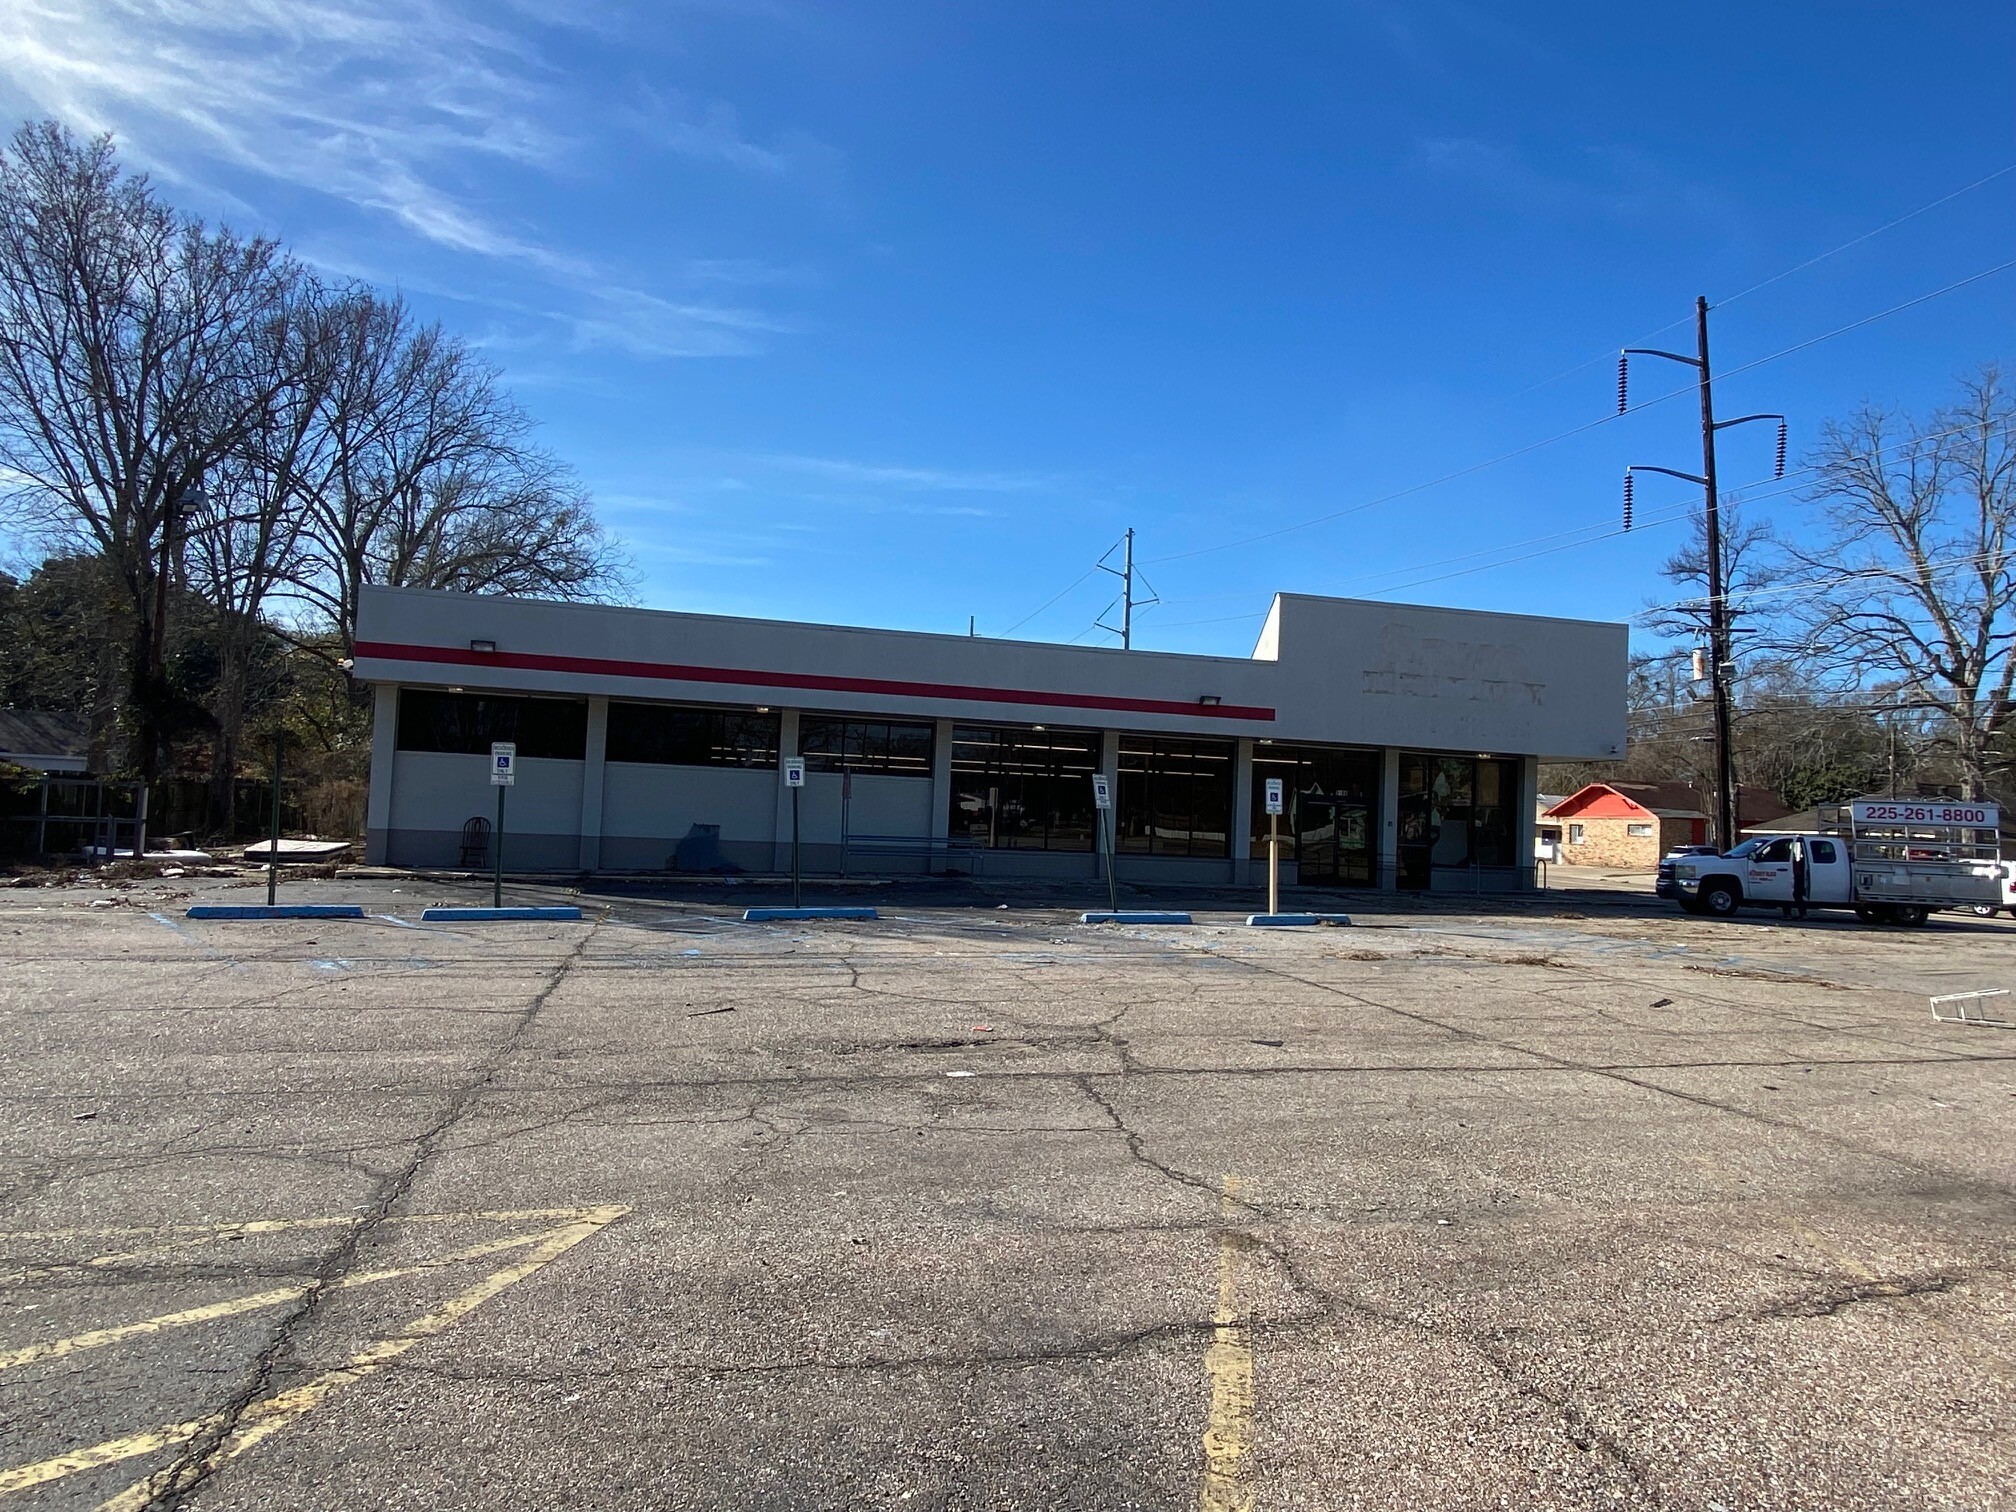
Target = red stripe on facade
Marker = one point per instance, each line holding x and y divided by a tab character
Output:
599	666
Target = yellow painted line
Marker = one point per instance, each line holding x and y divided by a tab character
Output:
1228	1430
26	1477
267	1416
281	1225
233	1307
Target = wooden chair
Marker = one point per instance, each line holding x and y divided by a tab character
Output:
475	842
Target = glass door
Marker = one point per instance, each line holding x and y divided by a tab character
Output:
1336	798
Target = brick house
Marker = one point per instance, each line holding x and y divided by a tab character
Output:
1630	825
1627	824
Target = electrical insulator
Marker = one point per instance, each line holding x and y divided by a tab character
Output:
1781	451
1623	365
1700	664
1627	501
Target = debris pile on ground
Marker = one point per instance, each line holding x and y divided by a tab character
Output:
111	873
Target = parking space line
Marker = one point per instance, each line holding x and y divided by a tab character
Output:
1228	1431
207	1231
231	1307
269	1415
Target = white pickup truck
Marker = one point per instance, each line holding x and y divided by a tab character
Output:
1891	862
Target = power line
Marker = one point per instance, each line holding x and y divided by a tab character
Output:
1766	283
1856	325
1773	590
1051	600
1679	512
1868	235
1589	425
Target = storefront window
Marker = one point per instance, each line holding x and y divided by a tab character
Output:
1175	796
672	735
467	723
1456	811
1023	789
830	743
1331	801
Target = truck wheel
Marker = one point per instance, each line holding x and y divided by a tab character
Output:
1866	915
1720	899
1909	914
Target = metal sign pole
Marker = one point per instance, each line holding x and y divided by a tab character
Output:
846	824
1275	794
1273	863
1102	804
497	854
794	779
503	773
273	842
1112	887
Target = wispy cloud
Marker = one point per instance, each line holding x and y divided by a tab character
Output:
651	325
887	475
709	131
1617	183
416	111
368	100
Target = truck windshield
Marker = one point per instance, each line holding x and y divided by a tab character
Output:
1749	845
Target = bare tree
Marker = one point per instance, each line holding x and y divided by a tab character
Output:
128	368
1913	587
431	480
1750	573
245	541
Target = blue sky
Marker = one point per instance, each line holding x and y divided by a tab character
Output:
896	313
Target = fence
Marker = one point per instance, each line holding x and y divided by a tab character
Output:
52	814
59	815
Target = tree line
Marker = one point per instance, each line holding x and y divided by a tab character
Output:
206	435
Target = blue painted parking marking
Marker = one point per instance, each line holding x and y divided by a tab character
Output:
767	915
275	911
483	915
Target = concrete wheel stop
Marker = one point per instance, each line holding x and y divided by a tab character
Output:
1297	920
490	915
776	915
275	911
1133	916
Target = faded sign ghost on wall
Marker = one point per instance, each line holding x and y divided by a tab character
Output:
1412	665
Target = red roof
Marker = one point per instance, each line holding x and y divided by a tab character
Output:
1645	800
1629	800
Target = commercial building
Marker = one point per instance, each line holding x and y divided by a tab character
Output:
1406	737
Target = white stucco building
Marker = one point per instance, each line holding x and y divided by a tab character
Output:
1407	738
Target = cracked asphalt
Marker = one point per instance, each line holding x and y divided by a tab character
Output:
1555	1204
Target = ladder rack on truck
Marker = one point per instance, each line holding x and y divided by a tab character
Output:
1892	860
1933	853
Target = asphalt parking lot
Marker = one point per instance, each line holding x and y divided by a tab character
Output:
1557	1205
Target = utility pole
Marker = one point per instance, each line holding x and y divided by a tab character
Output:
1127	601
1721	658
